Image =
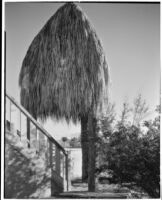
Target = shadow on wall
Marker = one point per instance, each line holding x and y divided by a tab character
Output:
26	174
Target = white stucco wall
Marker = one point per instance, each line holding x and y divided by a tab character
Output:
75	155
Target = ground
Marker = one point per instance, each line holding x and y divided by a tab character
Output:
104	191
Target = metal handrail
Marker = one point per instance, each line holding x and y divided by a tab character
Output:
27	114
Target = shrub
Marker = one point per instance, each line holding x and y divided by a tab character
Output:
134	157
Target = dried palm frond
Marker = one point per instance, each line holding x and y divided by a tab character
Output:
64	73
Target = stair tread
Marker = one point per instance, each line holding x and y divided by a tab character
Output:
93	195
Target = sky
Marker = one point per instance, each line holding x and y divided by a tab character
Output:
130	35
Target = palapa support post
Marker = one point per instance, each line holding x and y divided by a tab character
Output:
91	152
84	144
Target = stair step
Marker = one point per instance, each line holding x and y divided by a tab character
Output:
94	195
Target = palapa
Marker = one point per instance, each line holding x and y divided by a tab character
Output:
65	68
65	75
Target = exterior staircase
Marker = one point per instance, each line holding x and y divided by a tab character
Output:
36	165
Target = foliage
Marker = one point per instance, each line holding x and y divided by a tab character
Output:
64	139
104	129
71	142
134	156
125	113
75	142
106	121
140	110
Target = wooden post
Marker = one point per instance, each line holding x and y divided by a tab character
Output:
50	153
84	143
66	168
20	124
28	132
58	161
37	141
10	114
91	152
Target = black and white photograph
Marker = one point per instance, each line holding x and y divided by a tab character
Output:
81	100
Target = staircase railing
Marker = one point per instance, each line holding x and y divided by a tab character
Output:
35	136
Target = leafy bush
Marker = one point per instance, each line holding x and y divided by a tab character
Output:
134	156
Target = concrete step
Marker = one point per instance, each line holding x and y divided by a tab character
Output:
79	190
92	195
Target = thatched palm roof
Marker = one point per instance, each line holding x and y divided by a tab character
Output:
64	72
